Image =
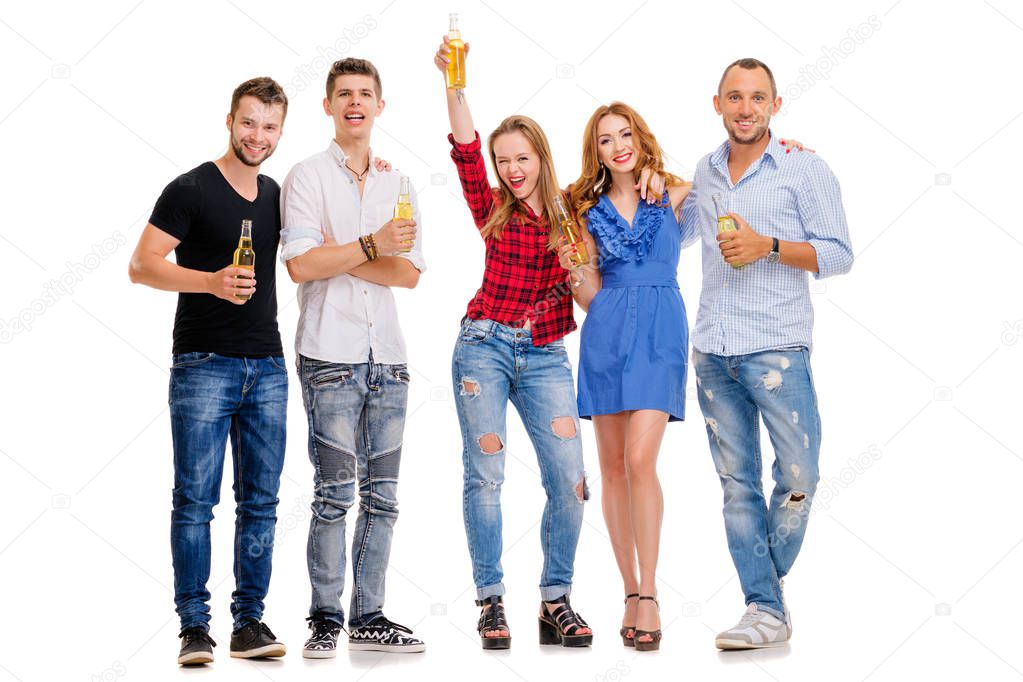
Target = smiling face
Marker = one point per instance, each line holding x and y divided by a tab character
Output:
615	144
354	105
746	104
255	130
518	164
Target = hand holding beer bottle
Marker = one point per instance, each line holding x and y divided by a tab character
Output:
455	74
726	223
403	208
572	249
244	255
236	283
395	236
450	59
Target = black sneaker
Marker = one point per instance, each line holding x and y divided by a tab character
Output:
196	647
383	635
323	642
254	640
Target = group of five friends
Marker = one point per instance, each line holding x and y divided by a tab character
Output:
331	221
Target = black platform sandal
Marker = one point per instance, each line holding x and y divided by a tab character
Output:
562	625
628	632
493	620
655	635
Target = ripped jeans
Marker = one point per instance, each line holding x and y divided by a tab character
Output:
356	419
492	364
735	392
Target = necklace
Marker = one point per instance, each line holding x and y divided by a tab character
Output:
358	176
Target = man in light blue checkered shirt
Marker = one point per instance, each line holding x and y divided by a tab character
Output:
753	335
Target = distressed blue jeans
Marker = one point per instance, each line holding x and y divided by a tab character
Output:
735	392
356	419
213	397
492	364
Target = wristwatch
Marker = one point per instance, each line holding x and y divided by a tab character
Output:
774	256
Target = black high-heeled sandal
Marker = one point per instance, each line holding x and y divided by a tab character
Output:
628	632
655	635
562	625
493	620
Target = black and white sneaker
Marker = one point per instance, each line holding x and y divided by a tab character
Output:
383	635
196	647
323	642
254	640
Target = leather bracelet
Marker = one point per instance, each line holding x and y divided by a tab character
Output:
367	247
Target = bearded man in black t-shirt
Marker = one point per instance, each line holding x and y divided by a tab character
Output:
228	374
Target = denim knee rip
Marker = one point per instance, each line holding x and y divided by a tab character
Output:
582	489
564	428
490	444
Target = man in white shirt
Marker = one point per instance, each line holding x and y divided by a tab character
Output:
351	357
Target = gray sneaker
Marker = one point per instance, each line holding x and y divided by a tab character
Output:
756	630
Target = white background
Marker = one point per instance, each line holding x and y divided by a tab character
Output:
911	563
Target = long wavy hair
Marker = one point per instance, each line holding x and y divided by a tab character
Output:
595	177
507	204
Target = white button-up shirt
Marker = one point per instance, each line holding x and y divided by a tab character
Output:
344	318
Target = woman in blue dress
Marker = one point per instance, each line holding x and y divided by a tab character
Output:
634	345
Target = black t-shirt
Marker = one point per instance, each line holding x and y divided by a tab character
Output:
202	210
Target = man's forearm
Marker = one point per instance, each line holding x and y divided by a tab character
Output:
324	262
388	271
800	255
159	273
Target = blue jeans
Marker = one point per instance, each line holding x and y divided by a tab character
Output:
493	364
356	421
211	397
735	392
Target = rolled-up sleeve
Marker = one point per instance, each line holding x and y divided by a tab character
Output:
301	217
823	219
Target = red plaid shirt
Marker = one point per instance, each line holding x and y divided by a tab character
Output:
522	279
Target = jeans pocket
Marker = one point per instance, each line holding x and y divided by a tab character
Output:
320	374
278	362
400	373
182	360
556	346
472	335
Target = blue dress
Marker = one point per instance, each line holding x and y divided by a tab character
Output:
634	346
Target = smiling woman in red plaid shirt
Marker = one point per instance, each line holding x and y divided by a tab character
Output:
511	348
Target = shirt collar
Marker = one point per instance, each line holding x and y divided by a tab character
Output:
774	151
339	155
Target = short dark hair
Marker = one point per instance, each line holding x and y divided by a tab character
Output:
265	89
351	65
749	63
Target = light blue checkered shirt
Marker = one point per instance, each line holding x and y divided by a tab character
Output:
764	306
